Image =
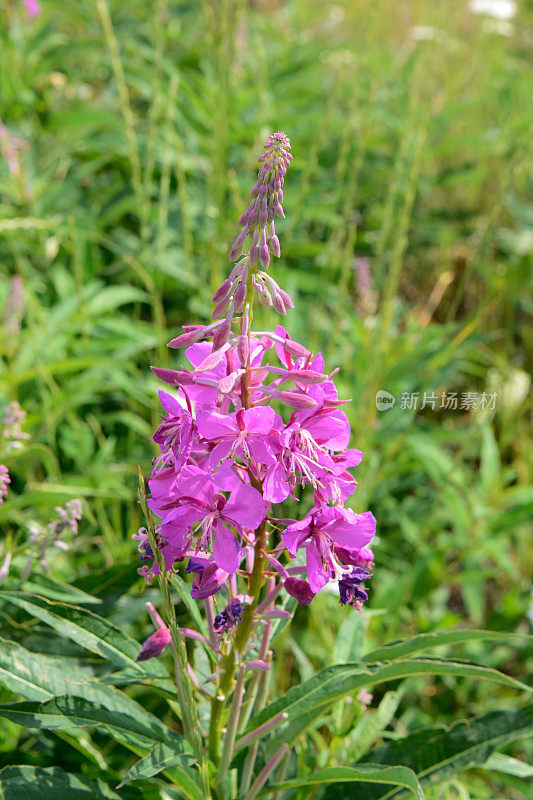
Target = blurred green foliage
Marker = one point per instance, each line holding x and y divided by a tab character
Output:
410	125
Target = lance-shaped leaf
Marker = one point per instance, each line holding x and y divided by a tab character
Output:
119	715
39	677
48	587
308	701
426	641
34	783
36	676
161	757
369	773
88	630
439	753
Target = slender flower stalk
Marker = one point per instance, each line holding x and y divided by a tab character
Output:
226	458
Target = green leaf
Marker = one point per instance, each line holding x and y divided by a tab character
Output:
306	702
186	780
372	724
54	590
33	783
369	773
439	753
425	641
36	676
88	630
497	762
39	677
159	758
111	297
67	711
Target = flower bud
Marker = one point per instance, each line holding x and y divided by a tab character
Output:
278	304
243	219
221	336
223	291
262	217
296	399
239	297
300	589
306	376
287	299
273	245
236	250
173	377
221	309
227	384
188	338
154	645
243	349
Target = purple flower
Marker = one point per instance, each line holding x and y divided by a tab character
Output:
154	645
249	433
319	532
33	8
350	590
175	434
214	517
229	617
4	481
208	577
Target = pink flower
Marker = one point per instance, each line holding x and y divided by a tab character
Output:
4	481
214	516
249	433
33	8
322	530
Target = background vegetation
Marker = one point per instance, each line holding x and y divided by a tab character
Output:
407	250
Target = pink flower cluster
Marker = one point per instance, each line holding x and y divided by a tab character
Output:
255	418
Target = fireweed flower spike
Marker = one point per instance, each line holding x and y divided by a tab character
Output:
226	456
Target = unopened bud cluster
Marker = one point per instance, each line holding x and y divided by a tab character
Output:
257	241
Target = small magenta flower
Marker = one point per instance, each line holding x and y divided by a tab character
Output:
249	433
351	592
319	532
154	645
213	516
33	8
4	481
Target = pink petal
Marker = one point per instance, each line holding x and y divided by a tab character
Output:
275	485
259	420
245	507
261	450
316	574
154	645
295	534
226	551
331	429
353	533
212	425
220	452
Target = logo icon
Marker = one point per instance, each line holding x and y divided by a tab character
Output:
384	400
